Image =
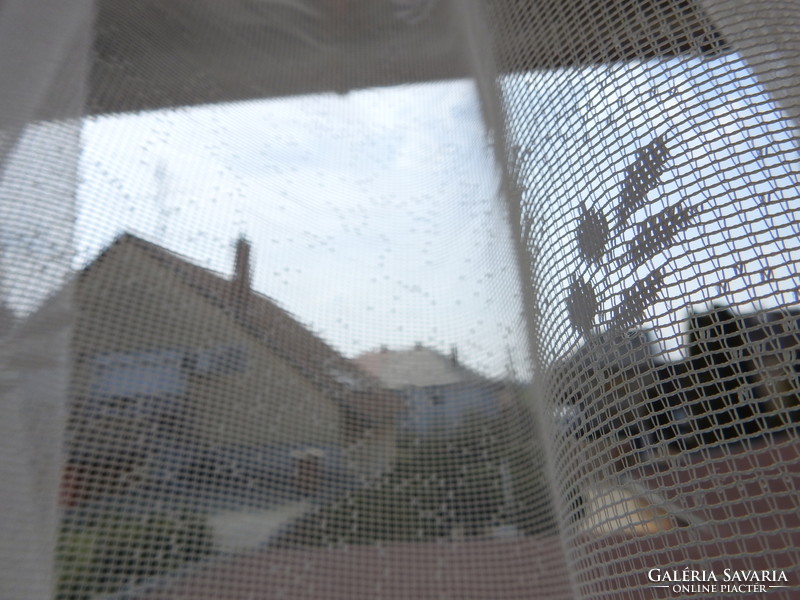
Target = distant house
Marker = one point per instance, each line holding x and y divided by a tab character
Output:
741	377
439	391
177	365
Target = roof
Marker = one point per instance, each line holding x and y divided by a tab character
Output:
416	367
773	329
274	327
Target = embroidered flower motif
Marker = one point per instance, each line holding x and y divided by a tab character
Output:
593	234
648	235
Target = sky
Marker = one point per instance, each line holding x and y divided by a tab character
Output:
376	216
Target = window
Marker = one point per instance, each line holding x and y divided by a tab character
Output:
137	384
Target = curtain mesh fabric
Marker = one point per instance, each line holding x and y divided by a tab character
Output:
658	191
395	299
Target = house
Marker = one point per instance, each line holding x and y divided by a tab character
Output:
439	390
740	378
202	413
185	372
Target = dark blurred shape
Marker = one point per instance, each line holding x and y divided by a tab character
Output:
740	379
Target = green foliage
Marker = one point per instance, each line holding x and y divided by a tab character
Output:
488	471
104	554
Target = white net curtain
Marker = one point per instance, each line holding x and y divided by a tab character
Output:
349	299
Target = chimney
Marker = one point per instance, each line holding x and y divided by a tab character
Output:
454	354
241	269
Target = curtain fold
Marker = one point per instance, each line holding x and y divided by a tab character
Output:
44	66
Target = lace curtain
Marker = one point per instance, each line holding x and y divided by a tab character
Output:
399	298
